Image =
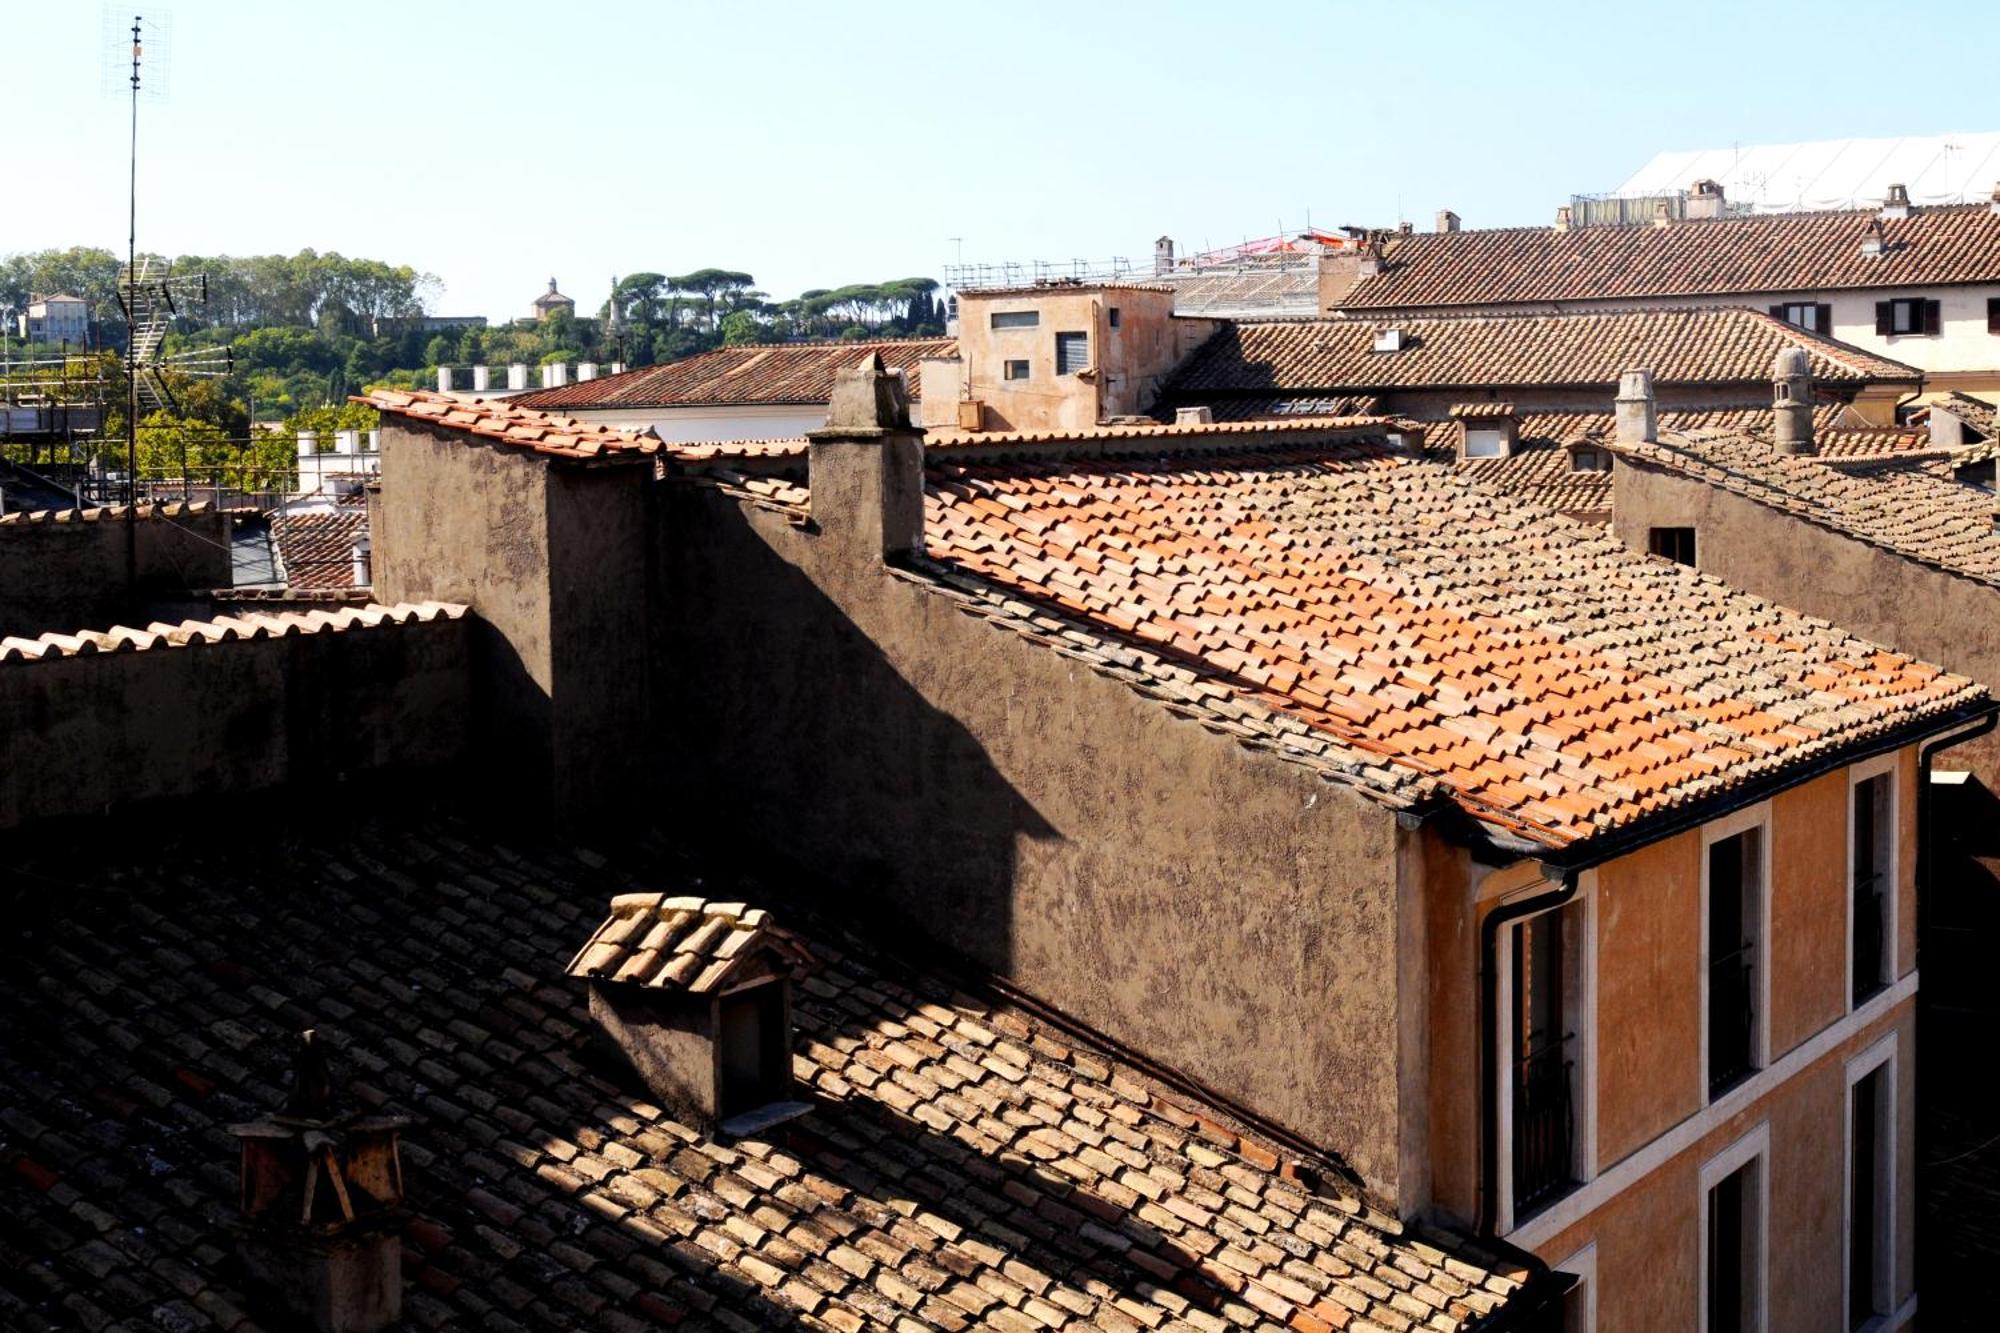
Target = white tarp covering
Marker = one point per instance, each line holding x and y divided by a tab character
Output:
1940	169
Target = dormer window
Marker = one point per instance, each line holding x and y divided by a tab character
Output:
696	997
1588	458
1388	340
1486	430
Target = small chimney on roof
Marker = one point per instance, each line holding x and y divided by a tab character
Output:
1447	220
482	378
1663	216
321	1197
1994	204
1563	218
1791	401
1705	199
865	467
1370	264
1163	255
517	376
444	379
1896	205
1871	239
1635	414
697	997
1203	415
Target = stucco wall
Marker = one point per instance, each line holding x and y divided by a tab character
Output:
1129	361
71	575
1875	593
1227	912
80	735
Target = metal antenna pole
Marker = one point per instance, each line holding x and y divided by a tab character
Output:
132	345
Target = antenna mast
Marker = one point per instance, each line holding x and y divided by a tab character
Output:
132	343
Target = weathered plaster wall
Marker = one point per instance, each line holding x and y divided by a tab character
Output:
1809	909
1648	1006
71	575
1875	593
80	735
1225	911
1128	361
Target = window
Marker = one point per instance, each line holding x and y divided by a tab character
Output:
1015	370
1676	544
1806	315
1589	460
1993	314
1906	316
1871	827
1114	317
1017	319
1735	1219
1579	1307
1072	353
752	1049
1485	442
1733	902
1871	1185
1979	475
1545	1018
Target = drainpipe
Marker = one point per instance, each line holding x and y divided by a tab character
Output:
1489	1032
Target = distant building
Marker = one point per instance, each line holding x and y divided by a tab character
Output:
56	319
552	301
388	325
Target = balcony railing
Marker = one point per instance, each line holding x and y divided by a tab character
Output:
1544	1124
1731	1016
1869	943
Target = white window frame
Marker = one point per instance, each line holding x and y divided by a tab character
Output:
1584	903
1887	765
1757	817
1754	1146
1485	441
1882	1056
1583	1266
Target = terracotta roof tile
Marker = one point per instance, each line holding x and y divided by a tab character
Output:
673	943
505	420
1762	253
964	1161
116	513
766	373
1437	638
222	629
316	548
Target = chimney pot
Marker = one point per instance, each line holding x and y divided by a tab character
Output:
482	378
1662	215
1897	203
1635	412
517	377
1994	205
1447	220
1563	218
1871	239
444	379
586	370
1705	200
1791	401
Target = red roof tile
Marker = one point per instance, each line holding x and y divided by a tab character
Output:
507	422
316	549
773	373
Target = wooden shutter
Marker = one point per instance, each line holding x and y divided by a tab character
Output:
1933	316
1826	320
1885	317
1993	314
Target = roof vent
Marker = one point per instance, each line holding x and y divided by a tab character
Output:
697	998
1871	240
1194	416
322	1194
1563	216
1896	205
1389	340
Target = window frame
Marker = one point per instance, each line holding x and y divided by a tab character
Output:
1584	1169
1881	1056
1582	1265
1754	1147
1016	320
1752	819
1496	434
1821	315
1111	316
1598	454
1653	544
1882	766
1070	335
1007	365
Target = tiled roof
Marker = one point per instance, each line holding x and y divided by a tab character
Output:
1733	256
1481	411
1715	346
1530	669
775	373
680	943
316	549
115	513
505	420
1981	415
1911	506
222	629
965	1163
1228	432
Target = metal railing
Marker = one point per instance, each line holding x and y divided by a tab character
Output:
1544	1124
1731	1018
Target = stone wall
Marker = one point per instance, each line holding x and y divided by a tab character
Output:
65	569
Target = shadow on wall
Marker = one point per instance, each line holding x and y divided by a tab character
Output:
776	697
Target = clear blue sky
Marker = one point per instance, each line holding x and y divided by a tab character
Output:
814	144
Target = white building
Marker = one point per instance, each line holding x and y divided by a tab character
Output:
56	319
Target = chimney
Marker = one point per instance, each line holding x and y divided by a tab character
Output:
482	378
1662	215
1896	206
1636	418
347	442
1194	416
1994	204
1871	240
321	1198
517	377
364	573
1705	200
1562	218
586	370
696	997
1791	401
865	467
1447	220
618	367
554	375
1388	339
1163	255
444	379
308	443
1370	264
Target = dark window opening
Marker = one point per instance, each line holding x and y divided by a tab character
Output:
1589	460
1072	353
1017	319
1732	961
1016	370
1908	315
1544	1062
1811	316
1114	317
1978	475
1871	886
1675	544
752	1049
1865	1241
1732	1240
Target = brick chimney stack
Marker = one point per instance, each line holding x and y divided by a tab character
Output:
1791	401
1635	414
322	1196
1163	255
1447	220
865	467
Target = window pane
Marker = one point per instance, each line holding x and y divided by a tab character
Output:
1732	961
1728	1287
1017	319
1871	886
1862	1241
